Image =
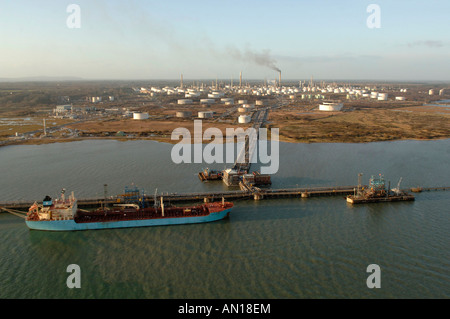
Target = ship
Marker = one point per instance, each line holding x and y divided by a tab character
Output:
62	214
377	192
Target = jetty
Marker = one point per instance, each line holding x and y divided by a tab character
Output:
247	192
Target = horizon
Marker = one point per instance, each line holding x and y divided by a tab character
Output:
69	79
150	41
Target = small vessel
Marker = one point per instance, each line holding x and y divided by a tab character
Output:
210	175
376	192
63	215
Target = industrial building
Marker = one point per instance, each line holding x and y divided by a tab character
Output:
63	109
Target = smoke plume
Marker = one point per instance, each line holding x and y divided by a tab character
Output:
263	58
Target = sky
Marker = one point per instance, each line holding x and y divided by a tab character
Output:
139	39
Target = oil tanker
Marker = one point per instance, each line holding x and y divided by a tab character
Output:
63	214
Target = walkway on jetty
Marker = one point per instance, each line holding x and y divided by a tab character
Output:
253	193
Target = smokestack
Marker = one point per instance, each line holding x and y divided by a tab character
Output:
279	76
181	83
240	80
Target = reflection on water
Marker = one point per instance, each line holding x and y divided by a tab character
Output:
278	248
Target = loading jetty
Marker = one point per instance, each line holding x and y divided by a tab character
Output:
247	193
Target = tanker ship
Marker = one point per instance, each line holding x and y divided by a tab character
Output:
63	214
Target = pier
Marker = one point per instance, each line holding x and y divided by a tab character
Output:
247	193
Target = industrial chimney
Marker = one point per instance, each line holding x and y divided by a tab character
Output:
279	80
240	80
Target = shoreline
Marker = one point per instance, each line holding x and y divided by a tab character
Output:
168	140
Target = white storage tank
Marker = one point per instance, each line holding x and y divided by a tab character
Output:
400	98
229	99
382	97
215	95
243	119
185	101
140	116
205	115
207	101
261	102
183	114
331	106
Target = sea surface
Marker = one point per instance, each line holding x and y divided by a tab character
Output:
276	249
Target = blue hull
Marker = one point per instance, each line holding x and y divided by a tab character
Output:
71	225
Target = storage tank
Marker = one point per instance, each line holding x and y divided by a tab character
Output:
183	114
243	119
140	116
400	98
331	106
382	97
229	99
261	102
205	115
207	101
185	101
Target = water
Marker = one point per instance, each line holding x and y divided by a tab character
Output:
287	248
443	103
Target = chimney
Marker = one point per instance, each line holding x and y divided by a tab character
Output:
240	80
181	84
279	81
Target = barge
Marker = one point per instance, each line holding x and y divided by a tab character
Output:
376	192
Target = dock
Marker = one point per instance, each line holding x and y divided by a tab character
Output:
253	193
246	193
